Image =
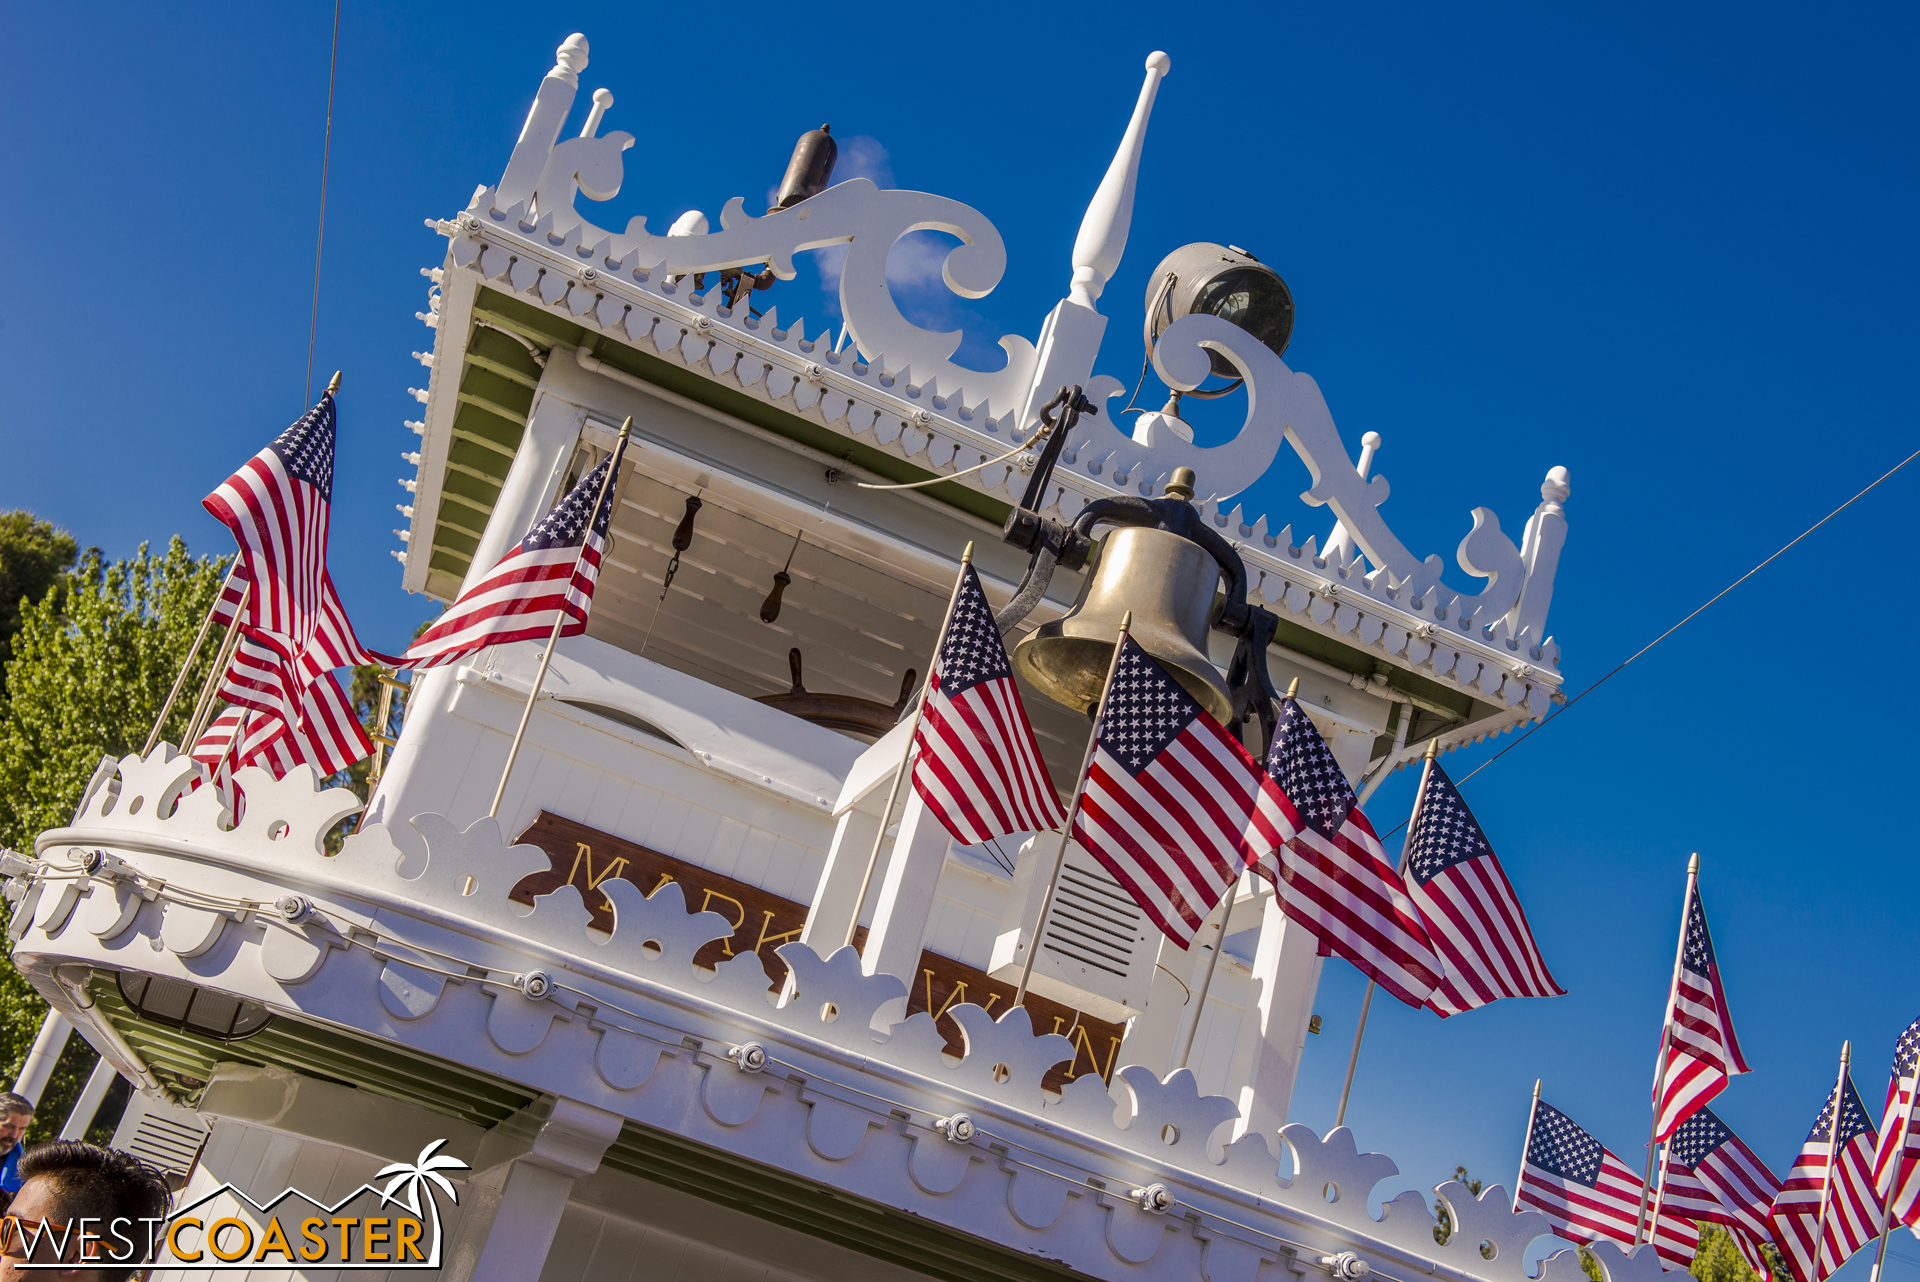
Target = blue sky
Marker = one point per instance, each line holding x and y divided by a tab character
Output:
1668	248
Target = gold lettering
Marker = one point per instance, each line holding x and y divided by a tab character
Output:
309	1230
775	940
173	1240
275	1239
665	877
712	895
958	995
246	1233
1083	1042
1056	1023
345	1225
584	855
406	1238
991	999
374	1233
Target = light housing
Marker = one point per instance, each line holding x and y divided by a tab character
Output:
1223	281
192	1009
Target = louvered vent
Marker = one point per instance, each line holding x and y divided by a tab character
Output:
161	1135
1097	948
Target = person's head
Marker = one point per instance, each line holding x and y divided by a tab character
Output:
67	1182
15	1112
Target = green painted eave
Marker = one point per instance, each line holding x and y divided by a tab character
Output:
548	331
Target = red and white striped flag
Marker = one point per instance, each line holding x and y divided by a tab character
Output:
277	506
1853	1210
1471	913
1700	1053
1896	1159
548	574
976	763
1168	803
326	735
1587	1193
1329	871
1711	1175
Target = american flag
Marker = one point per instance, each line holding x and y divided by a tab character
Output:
277	506
1853	1211
1699	1052
1328	868
1472	915
1711	1175
976	762
1169	798
326	734
549	574
1899	1145
1587	1193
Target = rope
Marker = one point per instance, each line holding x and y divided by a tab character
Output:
1697	612
320	239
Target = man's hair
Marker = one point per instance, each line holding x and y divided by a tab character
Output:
103	1184
11	1103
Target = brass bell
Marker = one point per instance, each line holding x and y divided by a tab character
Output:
1168	582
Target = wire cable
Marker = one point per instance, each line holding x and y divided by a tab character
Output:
320	238
1697	612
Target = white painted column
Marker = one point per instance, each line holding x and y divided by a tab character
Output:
513	1206
47	1045
857	822
1273	1032
899	929
1286	978
531	488
87	1107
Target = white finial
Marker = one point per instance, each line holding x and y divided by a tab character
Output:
1103	232
602	99
1368	445
691	223
570	59
1557	486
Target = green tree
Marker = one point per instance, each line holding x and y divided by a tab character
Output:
1719	1260
33	556
92	661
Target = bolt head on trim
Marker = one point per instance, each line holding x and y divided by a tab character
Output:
1346	1266
536	984
293	908
750	1057
959	1129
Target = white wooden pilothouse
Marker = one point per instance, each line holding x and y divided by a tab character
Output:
626	1003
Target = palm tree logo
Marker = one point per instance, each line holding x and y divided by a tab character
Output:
409	1178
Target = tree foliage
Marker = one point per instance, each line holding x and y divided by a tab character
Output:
33	556
92	660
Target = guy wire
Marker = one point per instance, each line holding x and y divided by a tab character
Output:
1699	610
320	239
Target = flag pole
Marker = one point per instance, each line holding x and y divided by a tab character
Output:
1213	964
1073	810
900	771
560	619
203	706
1366	1002
186	666
1833	1158
1526	1144
1660	1194
1666	1039
1899	1152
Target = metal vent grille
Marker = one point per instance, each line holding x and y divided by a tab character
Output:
160	1135
1093	921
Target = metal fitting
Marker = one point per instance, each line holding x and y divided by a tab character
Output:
13	864
535	984
958	1129
1155	1199
589	275
922	417
293	909
1346	1266
749	1057
816	373
703	324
